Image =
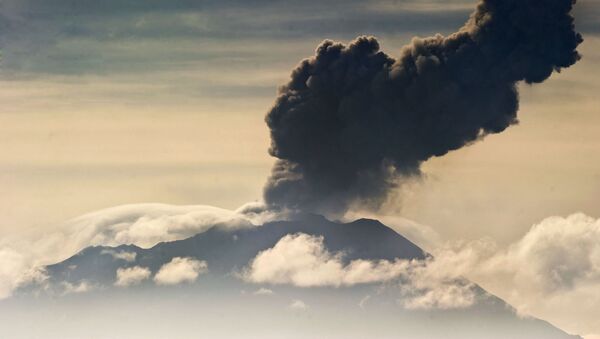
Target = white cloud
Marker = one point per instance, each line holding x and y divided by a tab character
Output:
139	224
80	287
263	291
16	271
552	272
131	275
120	255
147	224
180	270
298	305
302	260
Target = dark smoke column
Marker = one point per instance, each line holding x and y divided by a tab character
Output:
352	120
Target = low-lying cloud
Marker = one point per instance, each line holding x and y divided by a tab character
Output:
16	270
143	225
130	276
554	267
551	271
302	260
180	270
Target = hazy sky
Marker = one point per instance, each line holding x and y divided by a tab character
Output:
113	102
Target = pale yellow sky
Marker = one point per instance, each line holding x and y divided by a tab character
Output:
70	145
168	106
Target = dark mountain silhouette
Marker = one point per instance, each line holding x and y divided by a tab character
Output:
226	250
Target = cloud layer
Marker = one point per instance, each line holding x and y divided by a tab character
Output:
553	272
16	270
140	224
302	260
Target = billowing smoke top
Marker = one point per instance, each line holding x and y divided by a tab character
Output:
352	120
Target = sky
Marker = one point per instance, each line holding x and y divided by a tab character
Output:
124	102
120	102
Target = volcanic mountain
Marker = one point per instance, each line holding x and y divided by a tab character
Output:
222	304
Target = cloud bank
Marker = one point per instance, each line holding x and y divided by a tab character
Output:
552	272
302	260
143	225
147	224
352	120
180	270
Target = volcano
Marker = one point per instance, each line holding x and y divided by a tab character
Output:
224	305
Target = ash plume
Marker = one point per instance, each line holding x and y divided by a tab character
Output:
352	121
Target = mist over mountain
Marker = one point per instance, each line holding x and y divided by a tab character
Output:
217	273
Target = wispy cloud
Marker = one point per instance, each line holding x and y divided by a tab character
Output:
554	267
147	224
141	224
302	260
82	286
298	305
120	255
263	291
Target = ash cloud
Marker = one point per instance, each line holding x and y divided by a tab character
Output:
353	121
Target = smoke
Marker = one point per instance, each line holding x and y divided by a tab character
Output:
353	121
